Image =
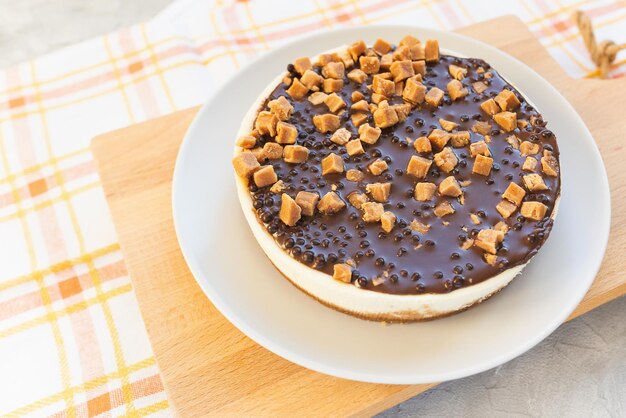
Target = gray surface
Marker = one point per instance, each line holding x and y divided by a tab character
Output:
579	371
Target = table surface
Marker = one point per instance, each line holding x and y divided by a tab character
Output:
580	370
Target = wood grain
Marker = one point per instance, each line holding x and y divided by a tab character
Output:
208	366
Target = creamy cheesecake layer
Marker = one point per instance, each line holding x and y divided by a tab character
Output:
422	274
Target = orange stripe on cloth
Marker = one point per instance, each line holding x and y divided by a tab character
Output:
113	399
64	289
41	185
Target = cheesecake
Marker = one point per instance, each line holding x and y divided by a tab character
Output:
396	183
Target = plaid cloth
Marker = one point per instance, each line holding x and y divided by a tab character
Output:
72	342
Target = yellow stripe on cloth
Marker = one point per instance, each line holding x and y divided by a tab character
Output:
82	388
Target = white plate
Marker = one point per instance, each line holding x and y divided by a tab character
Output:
240	281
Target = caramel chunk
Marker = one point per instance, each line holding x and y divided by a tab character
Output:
360	106
401	70
489	240
418	166
331	85
530	164
475	219
247	141
467	244
401	53
385	62
479	148
317	98
259	154
286	133
331	203
341	136
385	115
528	148
457	72
506	208
506	120
272	151
265	123
549	165
381	46
281	108
265	176
409	40
342	273
382	86
419	67
334	102
347	60
387	221
290	213
324	59
358	76
355	147
354	175
414	91
302	64
534	182
245	164
332	164
278	187
297	90
334	70
377	167
431	50
448	125
513	141
456	90
502	227
481	127
422	144
402	111
533	210
379	191
482	165
434	96
369	65
357	199
326	122
507	100
372	211
446	160
443	209
459	139
420	227
295	154
307	202
357	49
358	119
439	138
479	86
356	96
514	193
450	187
369	134
424	191
490	107
490	259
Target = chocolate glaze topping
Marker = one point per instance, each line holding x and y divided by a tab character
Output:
439	265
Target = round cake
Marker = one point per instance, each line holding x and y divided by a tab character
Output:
396	183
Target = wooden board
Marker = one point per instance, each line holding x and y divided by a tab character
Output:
208	366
